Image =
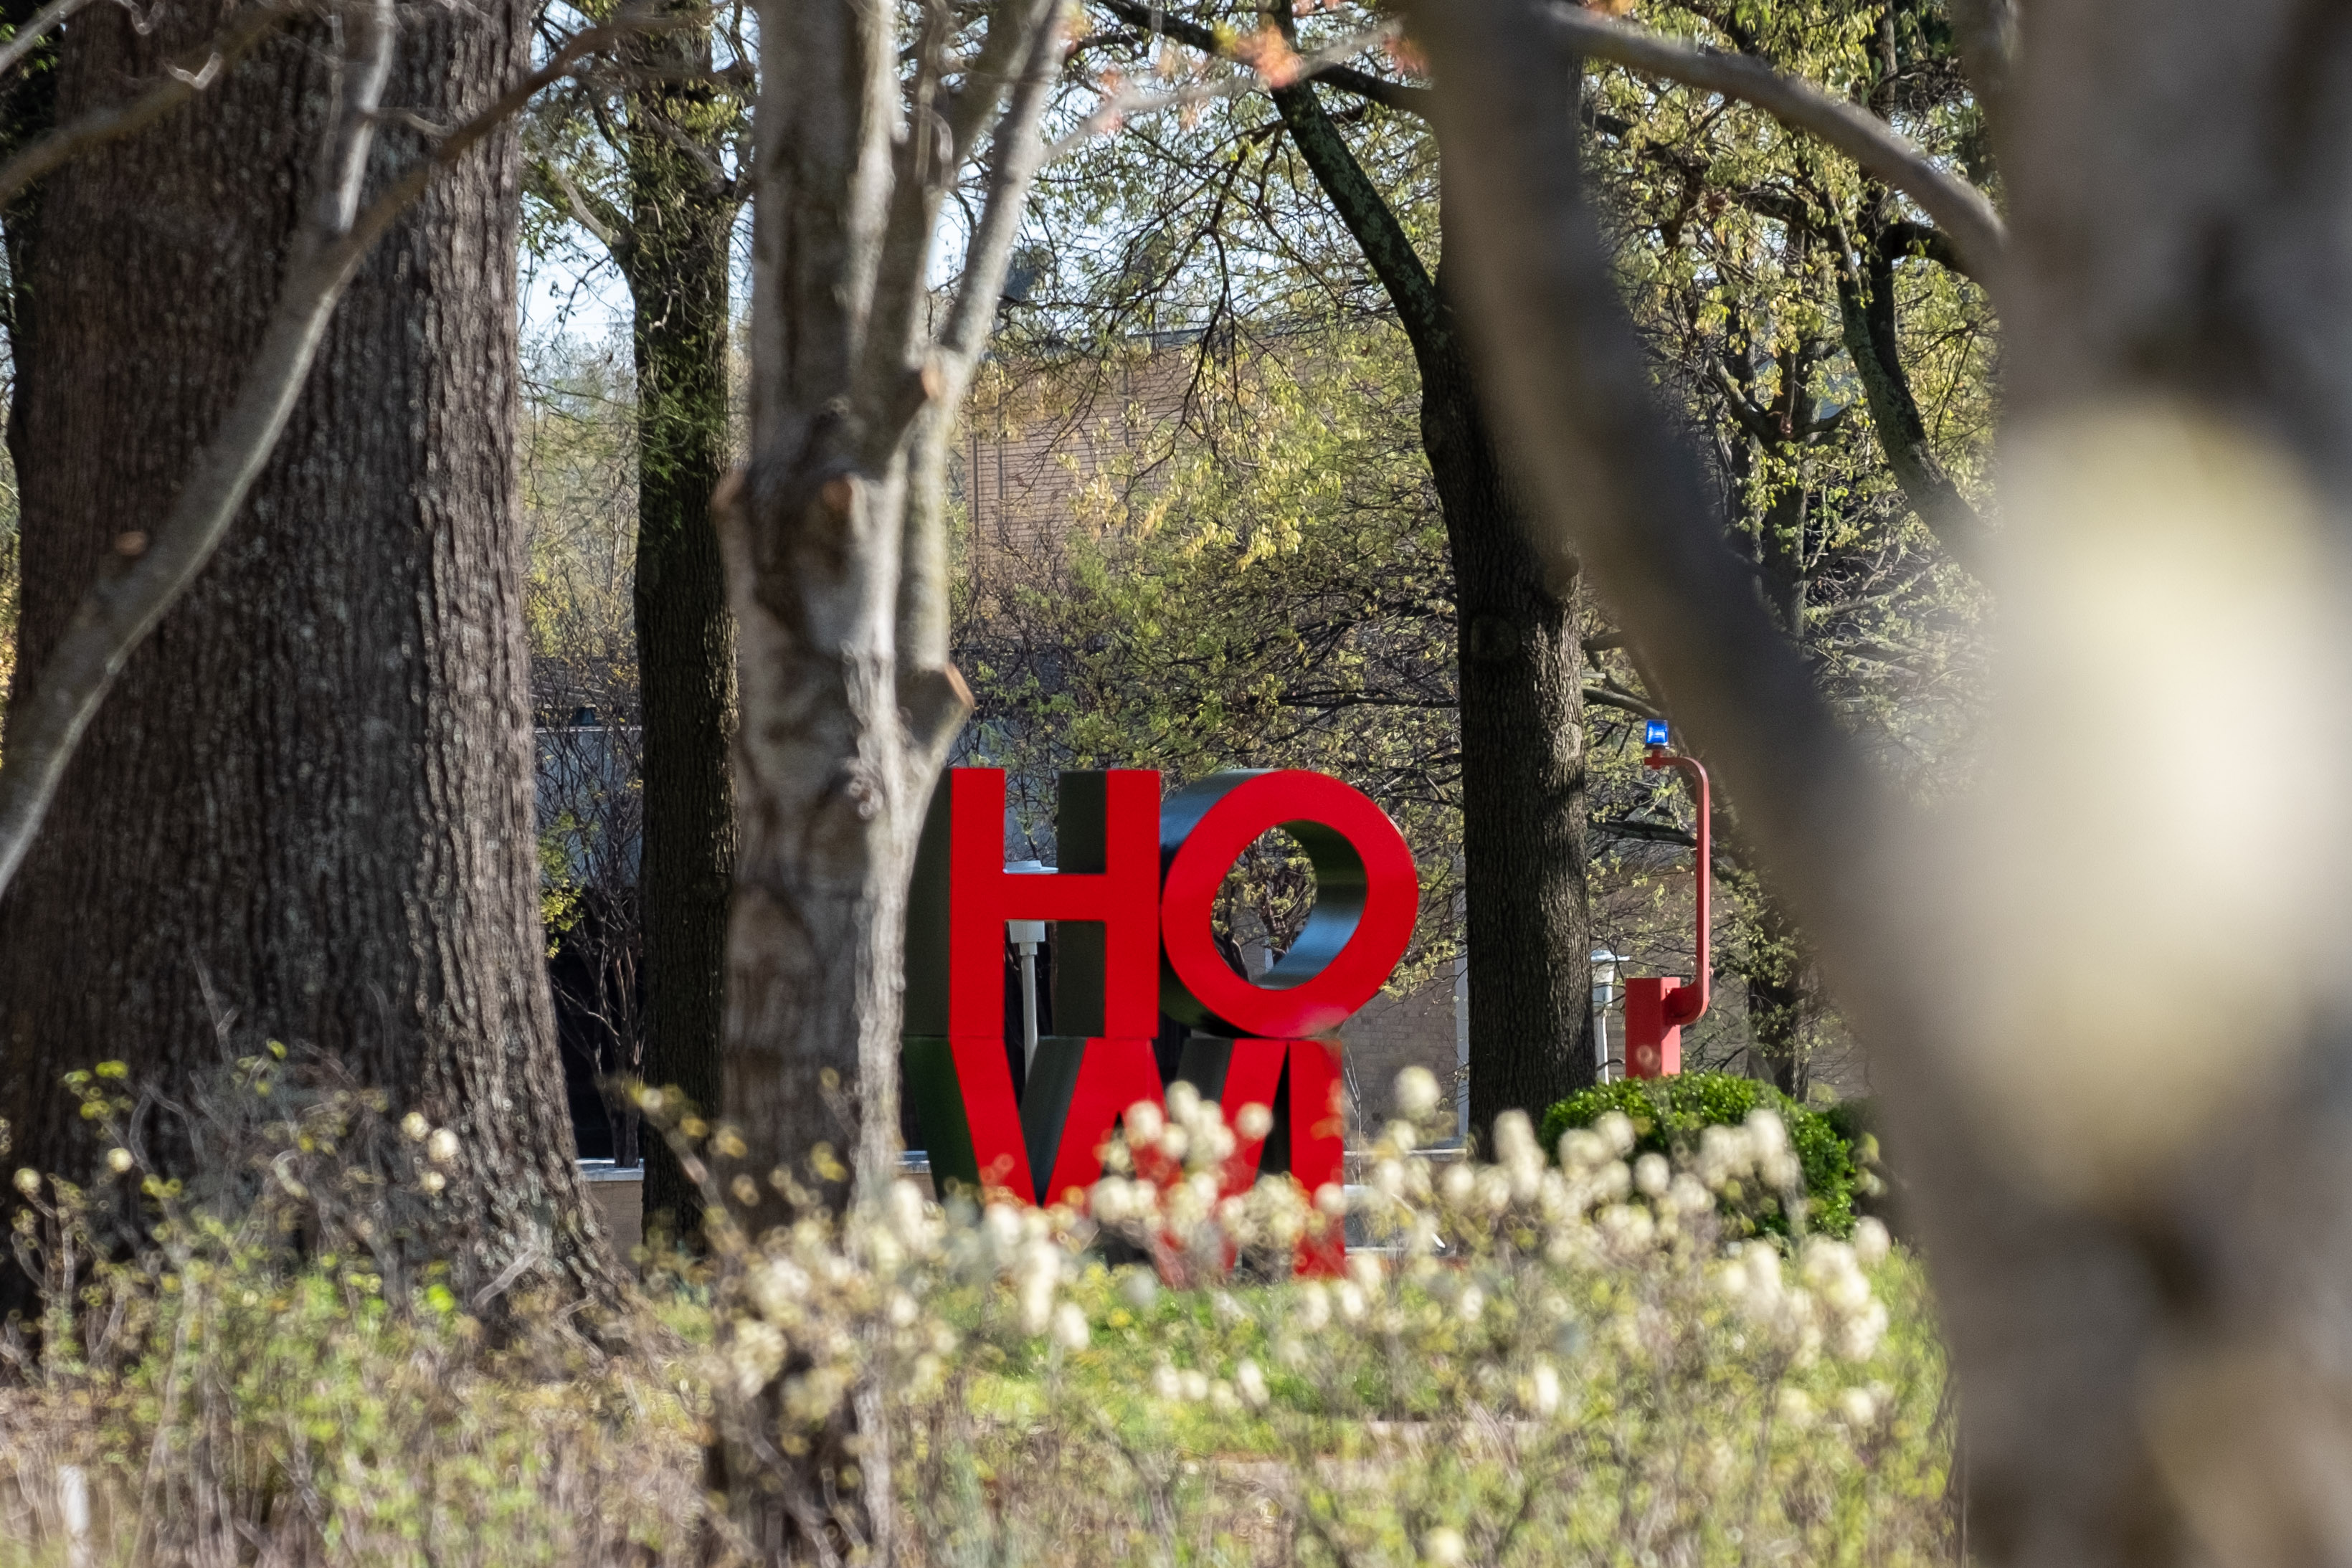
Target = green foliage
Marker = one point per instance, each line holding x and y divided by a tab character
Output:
1530	1349
1104	1453
1211	601
562	897
1855	1120
1744	251
579	504
1671	1115
260	1363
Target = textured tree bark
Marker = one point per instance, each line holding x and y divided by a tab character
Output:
836	545
1519	668
835	550
28	110
305	813
676	258
1520	660
830	796
1775	975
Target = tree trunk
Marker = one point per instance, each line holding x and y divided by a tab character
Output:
837	547
1523	813
1774	970
305	812
1866	314
829	771
676	260
1519	683
29	109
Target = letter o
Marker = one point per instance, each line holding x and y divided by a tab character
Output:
1367	897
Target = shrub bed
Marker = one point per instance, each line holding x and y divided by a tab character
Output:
1671	1115
1587	1361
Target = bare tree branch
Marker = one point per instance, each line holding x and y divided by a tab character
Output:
1125	105
1017	158
716	179
359	89
1639	832
1959	209
610	228
1570	384
1865	285
1609	697
922	166
1360	206
118	613
985	76
936	698
1986	32
1402	97
32	32
2144	1332
1904	237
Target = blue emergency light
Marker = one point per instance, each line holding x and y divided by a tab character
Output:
1653	733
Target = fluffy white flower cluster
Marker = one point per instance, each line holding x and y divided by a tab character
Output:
1759	1147
1530	1238
441	1148
1417	1095
1171	1187
827	1306
1594	1218
1494	1287
1600	1205
1832	1303
1246	1387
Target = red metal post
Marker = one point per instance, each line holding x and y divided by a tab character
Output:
1653	1047
1687	1003
1656	1007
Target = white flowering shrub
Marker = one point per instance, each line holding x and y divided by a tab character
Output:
255	1364
1571	1359
1532	1362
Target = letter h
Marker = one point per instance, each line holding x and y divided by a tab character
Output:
1106	898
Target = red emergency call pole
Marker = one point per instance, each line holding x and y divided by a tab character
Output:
1657	1007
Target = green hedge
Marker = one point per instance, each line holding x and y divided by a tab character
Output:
1668	1114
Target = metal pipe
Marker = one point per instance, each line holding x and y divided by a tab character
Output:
1684	1004
1028	1004
1604	992
1027	937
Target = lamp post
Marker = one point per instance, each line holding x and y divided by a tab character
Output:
1604	991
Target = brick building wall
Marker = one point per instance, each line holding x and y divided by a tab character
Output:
1036	438
1394	1031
